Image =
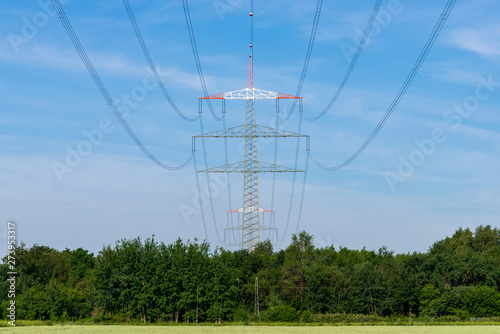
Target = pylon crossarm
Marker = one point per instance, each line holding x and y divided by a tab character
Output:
234	132
250	209
265	131
261	167
260	131
250	93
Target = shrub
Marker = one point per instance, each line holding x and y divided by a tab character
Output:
306	316
347	318
283	313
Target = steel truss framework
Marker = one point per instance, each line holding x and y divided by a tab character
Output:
250	166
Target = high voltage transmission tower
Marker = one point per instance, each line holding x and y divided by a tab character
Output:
250	167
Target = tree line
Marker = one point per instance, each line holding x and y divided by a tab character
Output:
136	279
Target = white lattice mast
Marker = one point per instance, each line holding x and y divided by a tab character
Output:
251	225
250	166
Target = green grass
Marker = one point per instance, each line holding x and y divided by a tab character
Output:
90	329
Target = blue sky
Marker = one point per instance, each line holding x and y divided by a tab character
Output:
432	169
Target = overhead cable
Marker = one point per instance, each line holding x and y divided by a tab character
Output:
312	38
418	63
353	62
151	64
197	58
209	195
361	44
100	85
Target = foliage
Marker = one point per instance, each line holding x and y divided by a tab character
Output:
347	318
281	313
149	281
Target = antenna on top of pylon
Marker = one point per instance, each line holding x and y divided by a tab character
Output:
250	66
250	74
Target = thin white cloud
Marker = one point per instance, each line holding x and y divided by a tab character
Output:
455	72
178	78
44	56
48	57
492	137
484	40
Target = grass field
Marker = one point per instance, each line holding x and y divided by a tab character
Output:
256	329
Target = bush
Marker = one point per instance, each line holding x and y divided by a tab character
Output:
347	318
282	313
444	318
306	316
241	314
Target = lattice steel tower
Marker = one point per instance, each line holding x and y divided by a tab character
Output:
250	166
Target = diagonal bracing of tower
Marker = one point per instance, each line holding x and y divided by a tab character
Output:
251	166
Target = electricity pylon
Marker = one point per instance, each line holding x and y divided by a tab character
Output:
250	166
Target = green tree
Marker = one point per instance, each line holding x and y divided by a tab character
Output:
298	257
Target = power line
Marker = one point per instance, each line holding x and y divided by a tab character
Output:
152	66
299	89
97	80
167	96
312	38
226	157
275	160
301	205
354	60
205	160
223	117
418	63
421	58
202	211
294	176
196	57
